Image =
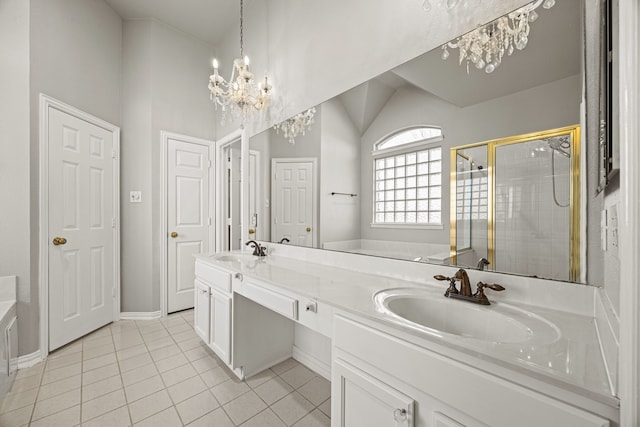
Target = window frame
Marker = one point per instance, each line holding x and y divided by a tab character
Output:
411	147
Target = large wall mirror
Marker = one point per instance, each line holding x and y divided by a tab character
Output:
373	173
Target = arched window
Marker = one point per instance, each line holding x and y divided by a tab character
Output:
408	178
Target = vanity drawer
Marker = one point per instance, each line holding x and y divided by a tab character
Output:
272	300
213	277
316	316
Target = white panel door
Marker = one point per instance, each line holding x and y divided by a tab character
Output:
81	243
187	218
293	203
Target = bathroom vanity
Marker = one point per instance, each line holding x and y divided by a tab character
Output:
530	366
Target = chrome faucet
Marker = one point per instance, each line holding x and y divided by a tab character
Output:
257	249
482	263
465	288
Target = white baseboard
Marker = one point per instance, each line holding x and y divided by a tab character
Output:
312	363
29	360
135	315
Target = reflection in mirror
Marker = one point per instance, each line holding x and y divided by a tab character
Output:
522	212
538	88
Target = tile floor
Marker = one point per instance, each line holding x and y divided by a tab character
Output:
159	373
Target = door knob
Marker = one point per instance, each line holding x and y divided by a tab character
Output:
308	229
59	241
174	234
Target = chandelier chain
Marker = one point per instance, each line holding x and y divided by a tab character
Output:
241	29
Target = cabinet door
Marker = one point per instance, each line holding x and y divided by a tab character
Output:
201	311
363	401
220	327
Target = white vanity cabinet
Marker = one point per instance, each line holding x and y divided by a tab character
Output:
379	376
213	309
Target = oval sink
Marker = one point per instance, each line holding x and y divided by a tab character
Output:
239	258
437	315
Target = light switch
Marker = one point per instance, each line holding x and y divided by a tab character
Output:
135	196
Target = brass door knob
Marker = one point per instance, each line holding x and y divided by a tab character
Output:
308	229
174	234
59	241
252	231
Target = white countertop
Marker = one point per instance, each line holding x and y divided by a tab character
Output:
573	361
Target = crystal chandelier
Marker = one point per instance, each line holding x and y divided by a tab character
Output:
239	95
296	125
485	46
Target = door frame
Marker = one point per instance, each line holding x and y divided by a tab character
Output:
164	264
46	102
314	211
218	191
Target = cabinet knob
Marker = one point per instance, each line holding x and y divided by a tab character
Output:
174	234
238	276
400	415
308	229
204	291
252	231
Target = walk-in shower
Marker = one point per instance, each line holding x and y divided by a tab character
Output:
522	211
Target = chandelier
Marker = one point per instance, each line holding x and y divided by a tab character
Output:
296	125
239	95
485	46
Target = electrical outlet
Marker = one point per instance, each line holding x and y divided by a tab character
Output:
135	196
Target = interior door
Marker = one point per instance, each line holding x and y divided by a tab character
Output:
188	218
81	242
293	202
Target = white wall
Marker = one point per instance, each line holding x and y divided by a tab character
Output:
313	51
75	54
340	172
14	164
522	112
165	76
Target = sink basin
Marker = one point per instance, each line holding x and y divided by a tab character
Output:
433	313
239	258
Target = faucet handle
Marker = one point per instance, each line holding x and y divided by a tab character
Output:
452	284
481	297
493	286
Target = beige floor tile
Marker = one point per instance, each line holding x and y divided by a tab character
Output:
50	390
147	326
34	370
135	362
314	419
167	418
61	362
94	351
12	401
116	418
165	352
143	388
292	408
176	329
67	350
284	366
217	418
26	383
216	376
155	335
101	334
266	418
98	362
172	321
150	405
260	378
139	374
62	373
229	390
204	364
244	407
185	335
100	374
196	406
325	407
101	388
316	391
103	404
197	353
91	342
273	390
127	340
127	353
55	404
159	343
190	344
298	376
179	374
16	418
172	362
66	418
186	389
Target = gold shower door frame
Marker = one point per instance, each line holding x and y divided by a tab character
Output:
574	192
